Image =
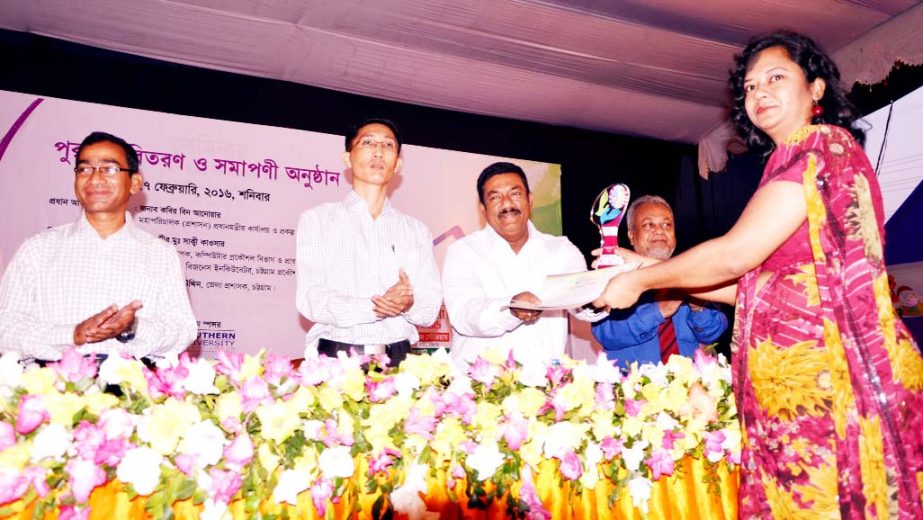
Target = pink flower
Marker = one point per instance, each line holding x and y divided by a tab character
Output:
31	415
633	407
277	369
167	381
254	392
515	431
528	496
314	371
229	364
383	461
557	373
185	463
87	439
703	362
111	452
84	476
13	485
7	435
670	437
713	449
223	484
93	443
73	366
380	390
419	424
605	396
461	405
570	466
334	437
36	475
661	463
321	491
468	446
611	447
482	372
239	453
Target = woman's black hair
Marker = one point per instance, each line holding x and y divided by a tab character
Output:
815	63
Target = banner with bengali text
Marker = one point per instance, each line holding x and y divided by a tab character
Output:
227	195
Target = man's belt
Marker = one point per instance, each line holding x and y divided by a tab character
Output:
396	351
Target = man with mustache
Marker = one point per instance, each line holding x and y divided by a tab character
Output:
662	323
505	261
101	283
366	271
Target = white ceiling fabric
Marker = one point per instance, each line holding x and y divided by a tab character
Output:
648	68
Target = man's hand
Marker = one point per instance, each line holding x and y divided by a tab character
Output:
397	300
527	316
106	324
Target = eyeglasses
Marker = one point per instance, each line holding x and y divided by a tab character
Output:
367	143
108	170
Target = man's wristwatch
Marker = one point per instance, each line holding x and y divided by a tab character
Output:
129	333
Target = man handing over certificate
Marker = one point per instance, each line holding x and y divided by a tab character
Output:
509	260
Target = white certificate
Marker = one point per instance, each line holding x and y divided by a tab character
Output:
570	291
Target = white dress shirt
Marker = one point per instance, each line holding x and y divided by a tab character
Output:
62	276
345	257
481	274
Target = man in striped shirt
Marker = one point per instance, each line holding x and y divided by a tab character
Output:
366	271
100	283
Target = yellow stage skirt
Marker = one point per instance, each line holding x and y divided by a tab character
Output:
683	495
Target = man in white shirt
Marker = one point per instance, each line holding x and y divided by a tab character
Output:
100	283
366	271
506	261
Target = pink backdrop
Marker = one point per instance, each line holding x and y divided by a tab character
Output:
228	196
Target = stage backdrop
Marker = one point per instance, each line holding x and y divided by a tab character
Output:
228	195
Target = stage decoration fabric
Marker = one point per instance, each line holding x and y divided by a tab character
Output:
247	436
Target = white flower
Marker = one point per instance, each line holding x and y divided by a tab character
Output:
640	490
485	459
633	456
201	378
291	483
604	371
406	384
336	462
406	499
533	373
140	467
460	385
215	510
10	373
117	423
51	442
205	442
656	372
313	429
563	437
592	456
666	422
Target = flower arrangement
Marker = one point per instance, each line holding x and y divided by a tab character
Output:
255	429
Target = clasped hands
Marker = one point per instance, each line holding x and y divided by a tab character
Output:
397	300
106	324
526	315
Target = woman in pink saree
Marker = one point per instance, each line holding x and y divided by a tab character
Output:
829	383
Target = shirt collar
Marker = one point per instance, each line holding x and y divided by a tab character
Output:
353	202
82	227
496	241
